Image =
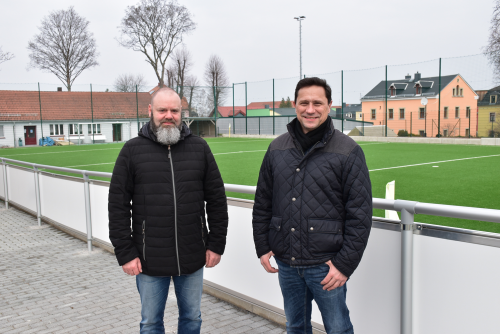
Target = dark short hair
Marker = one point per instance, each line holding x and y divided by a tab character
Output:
314	81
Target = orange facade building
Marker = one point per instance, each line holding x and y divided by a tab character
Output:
405	109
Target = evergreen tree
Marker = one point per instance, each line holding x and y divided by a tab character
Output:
282	103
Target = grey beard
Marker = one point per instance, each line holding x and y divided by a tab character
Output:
166	136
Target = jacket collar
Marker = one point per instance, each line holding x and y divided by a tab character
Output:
330	129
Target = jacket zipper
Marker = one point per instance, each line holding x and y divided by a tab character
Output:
175	209
144	240
202	231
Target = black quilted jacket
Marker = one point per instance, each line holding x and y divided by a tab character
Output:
313	208
169	232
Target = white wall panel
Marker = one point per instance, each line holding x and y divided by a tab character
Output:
99	209
456	287
2	188
374	290
22	187
63	201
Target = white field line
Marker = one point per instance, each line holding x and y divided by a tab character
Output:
436	162
77	151
240	141
109	163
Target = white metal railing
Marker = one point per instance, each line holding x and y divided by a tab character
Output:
408	209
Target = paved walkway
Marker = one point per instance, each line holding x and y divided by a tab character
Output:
49	283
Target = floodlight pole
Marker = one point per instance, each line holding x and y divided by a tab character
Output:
300	18
92	111
439	102
40	103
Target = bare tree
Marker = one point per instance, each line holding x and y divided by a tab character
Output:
4	56
182	61
129	82
64	46
171	74
155	28
492	49
216	76
190	91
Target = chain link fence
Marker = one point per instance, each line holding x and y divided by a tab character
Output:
451	97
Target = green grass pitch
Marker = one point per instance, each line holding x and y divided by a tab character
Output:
446	174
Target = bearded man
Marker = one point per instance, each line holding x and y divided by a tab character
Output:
160	184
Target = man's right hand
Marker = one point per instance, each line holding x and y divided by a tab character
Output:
133	267
264	260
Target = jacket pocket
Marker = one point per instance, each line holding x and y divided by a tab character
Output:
276	239
324	236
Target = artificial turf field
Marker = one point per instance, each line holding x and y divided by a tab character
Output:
465	175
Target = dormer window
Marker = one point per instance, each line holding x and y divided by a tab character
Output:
418	89
493	99
393	91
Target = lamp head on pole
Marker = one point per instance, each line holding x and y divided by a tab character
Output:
299	18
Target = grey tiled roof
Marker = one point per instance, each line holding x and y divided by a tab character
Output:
486	98
406	88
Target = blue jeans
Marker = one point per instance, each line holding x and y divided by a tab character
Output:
299	287
154	292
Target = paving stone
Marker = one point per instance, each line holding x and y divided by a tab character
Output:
49	283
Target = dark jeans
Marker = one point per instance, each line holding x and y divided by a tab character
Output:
154	292
299	287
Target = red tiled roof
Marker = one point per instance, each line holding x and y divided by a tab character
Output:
262	105
228	111
25	106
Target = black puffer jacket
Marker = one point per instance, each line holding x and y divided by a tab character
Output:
313	208
169	232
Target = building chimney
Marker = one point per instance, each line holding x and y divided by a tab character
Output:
408	77
59	89
418	76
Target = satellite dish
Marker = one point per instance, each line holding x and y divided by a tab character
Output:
424	101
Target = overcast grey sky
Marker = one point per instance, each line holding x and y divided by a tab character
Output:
259	40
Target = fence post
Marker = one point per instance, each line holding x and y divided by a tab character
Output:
274	111
137	109
439	102
37	193
40	103
246	110
86	188
342	97
385	100
92	111
233	111
5	185
363	124
411	119
215	109
407	209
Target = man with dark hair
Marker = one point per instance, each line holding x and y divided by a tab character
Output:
161	180
312	212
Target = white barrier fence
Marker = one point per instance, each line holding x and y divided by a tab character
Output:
414	278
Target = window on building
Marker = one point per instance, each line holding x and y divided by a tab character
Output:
393	91
492	117
1	131
421	113
421	133
56	129
74	129
467	112
461	92
401	113
466	132
458	90
445	132
374	113
445	112
457	112
418	89
391	113
493	99
454	92
97	128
